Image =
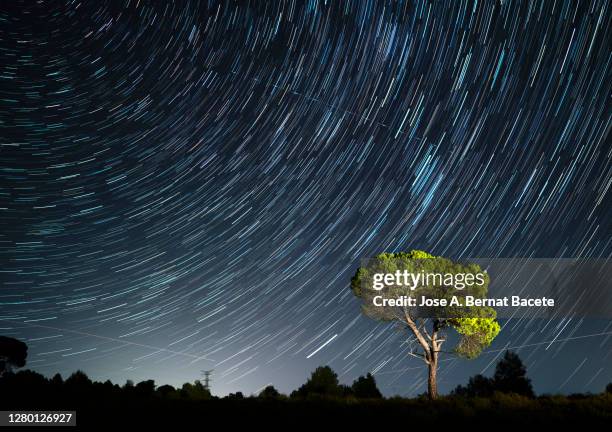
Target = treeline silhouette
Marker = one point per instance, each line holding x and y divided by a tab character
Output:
507	396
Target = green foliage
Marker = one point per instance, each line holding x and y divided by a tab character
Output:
476	334
386	262
476	325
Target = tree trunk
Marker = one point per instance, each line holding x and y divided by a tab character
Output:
432	383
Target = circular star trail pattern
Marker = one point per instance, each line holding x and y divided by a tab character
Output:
190	186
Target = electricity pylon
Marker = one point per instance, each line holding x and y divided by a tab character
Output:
207	378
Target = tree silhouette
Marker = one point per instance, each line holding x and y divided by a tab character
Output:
269	393
511	376
30	390
13	354
195	391
365	387
477	386
235	396
145	388
322	382
165	390
57	381
78	382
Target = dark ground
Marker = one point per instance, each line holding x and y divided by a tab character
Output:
500	410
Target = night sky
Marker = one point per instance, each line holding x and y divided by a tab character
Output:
189	186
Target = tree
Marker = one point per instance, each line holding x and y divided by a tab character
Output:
511	376
166	390
477	386
322	382
235	396
195	391
13	354
365	387
57	381
269	393
442	279
346	391
145	388
78	383
609	388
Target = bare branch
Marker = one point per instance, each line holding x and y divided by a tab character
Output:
447	352
419	356
423	327
417	333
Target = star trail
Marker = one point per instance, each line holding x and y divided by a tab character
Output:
190	185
